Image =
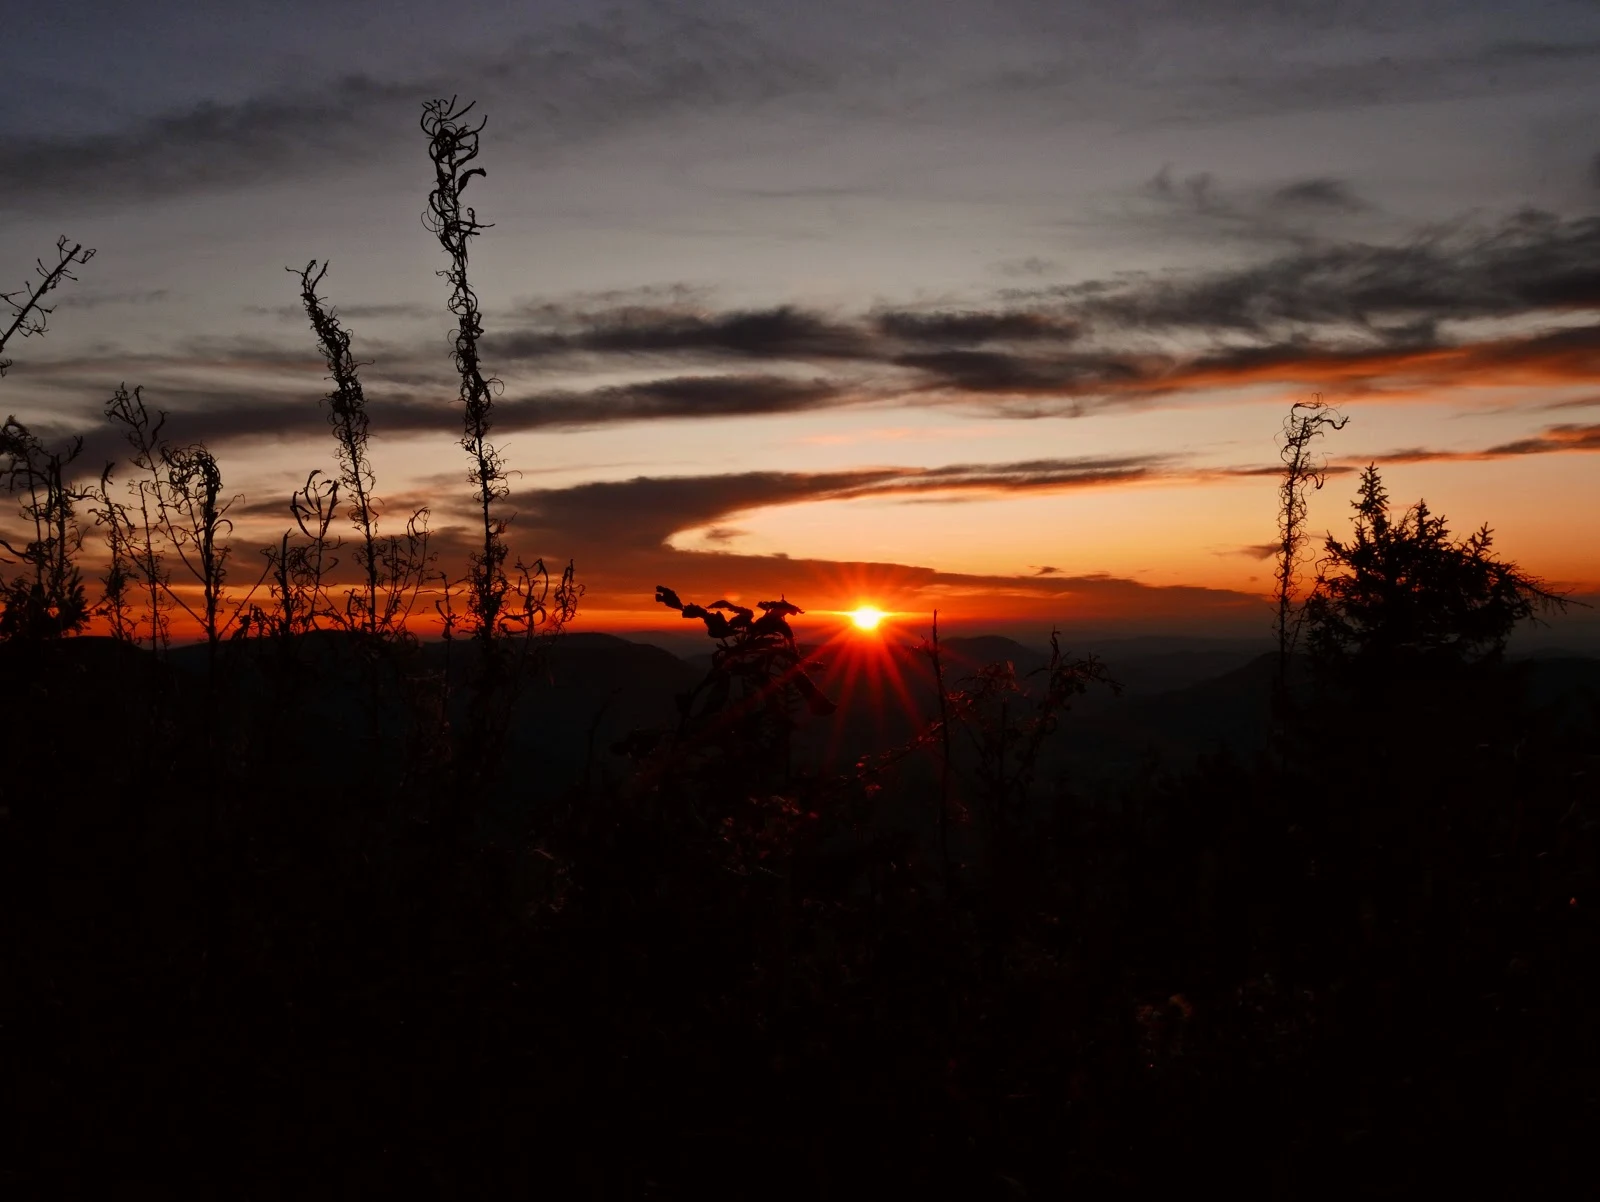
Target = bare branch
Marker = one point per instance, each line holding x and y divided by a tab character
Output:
1303	471
29	313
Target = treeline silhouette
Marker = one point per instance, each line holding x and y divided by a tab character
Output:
304	909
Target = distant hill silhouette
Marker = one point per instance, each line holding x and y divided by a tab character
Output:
1180	697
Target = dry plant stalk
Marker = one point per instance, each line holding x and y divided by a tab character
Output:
194	518
296	570
497	608
1302	472
452	146
392	569
114	518
143	432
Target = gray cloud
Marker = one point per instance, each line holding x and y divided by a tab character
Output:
967	327
785	332
206	146
1256	216
1549	441
1032	265
1532	261
1418	70
1320	193
220	415
554	82
1350	318
1257	550
404	309
99	300
982	372
567	85
1329	307
695	397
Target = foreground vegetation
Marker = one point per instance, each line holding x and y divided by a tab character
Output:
270	935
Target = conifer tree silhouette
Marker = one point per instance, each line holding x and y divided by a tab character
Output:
1403	589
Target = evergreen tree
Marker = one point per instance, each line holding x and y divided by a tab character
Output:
1404	590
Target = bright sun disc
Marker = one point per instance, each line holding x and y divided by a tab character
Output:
866	617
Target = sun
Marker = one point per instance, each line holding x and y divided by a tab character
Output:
867	618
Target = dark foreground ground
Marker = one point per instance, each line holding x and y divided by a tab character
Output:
284	936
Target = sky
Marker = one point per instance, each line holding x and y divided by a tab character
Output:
989	306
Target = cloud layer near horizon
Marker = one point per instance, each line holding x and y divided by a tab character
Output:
1351	319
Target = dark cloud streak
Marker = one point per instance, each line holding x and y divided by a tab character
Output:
569	85
618	531
1351	318
785	332
1552	440
681	397
647	510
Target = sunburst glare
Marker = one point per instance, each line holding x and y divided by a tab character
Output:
866	617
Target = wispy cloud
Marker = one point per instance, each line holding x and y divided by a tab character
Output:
1319	194
92	299
401	309
1346	314
696	397
221	415
1551	440
648	510
207	145
784	332
1530	262
1255	550
1351	319
571	84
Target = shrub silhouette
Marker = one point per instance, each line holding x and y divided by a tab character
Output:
194	517
757	681
1404	589
52	602
48	600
